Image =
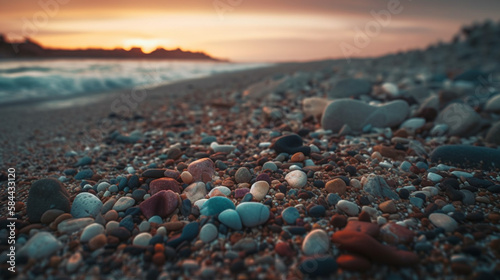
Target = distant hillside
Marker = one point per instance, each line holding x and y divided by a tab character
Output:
30	49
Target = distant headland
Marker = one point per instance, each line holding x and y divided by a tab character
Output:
31	49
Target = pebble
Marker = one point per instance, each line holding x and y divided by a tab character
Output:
493	104
377	186
91	231
290	144
222	148
74	225
84	174
86	205
186	177
164	184
142	239
388	207
123	203
333	198
434	177
202	169
316	242
162	204
269	166
460	118
252	213
443	221
358	114
337	186
103	186
413	124
231	219
350	208
40	245
466	156
243	175
259	190
46	194
353	262
195	191
393	233
97	242
296	179
215	205
290	215
318	266
50	215
369	247
317	211
208	233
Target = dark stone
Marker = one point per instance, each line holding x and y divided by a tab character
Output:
127	223
138	194
154	173
317	211
121	233
318	266
351	170
453	194
404	193
290	144
319	184
450	182
467	156
494	189
46	194
83	161
189	232
479	183
186	207
84	174
475	217
133	182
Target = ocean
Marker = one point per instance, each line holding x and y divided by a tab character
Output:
28	80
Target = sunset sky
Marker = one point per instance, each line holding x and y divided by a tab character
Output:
241	30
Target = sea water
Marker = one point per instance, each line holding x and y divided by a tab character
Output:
28	80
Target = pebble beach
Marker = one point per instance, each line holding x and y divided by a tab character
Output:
376	168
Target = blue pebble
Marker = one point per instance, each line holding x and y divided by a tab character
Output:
84	174
422	165
416	201
70	172
83	161
215	205
133	211
317	211
128	223
133	182
122	183
247	198
405	166
333	198
290	215
155	219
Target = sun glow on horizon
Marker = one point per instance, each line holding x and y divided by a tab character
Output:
147	45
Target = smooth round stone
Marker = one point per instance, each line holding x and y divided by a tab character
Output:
259	190
142	239
144	226
156	219
84	174
46	194
290	144
460	118
186	177
333	198
318	266
459	174
241	192
222	148
231	219
195	191
290	215
434	177
74	225
493	104
405	166
113	189
358	114
224	190
243	175
40	245
50	215
74	262
336	185
443	221
448	208
388	207
253	213
269	166
86	205
413	124
317	211
390	88
200	203
467	156
208	233
103	186
378	187
164	184
215	205
124	203
91	231
296	179
469	197
350	208
314	106
316	243
418	202
202	170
